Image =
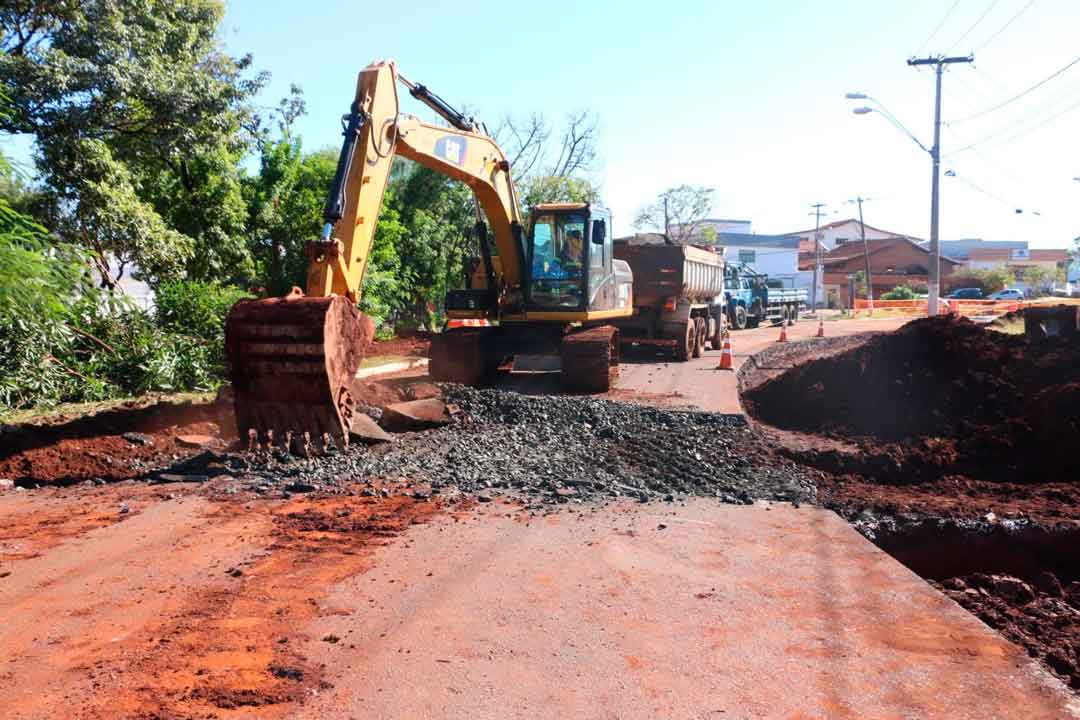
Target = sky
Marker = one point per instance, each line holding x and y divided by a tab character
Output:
744	97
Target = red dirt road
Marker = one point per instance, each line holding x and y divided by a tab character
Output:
182	607
699	384
725	612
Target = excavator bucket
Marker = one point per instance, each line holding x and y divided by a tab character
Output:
292	361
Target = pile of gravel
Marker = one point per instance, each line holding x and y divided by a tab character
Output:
552	448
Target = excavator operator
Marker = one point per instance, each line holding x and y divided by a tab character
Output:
571	249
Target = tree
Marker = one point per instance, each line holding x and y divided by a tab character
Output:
677	212
140	121
547	171
1037	277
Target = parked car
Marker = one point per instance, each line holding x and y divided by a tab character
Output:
1008	294
966	294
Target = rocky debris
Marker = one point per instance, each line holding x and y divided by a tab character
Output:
415	415
6	484
137	438
1047	626
553	449
197	441
366	429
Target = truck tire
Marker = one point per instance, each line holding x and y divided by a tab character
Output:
793	314
739	322
699	337
684	348
712	332
785	315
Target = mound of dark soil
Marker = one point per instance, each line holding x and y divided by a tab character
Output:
938	394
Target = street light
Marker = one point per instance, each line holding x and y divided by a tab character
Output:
935	155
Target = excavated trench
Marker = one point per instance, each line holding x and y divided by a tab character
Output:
947	445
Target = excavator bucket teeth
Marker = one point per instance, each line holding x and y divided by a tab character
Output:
292	361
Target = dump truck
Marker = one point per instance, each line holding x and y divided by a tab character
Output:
750	299
677	297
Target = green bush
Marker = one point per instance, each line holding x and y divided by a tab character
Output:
197	310
900	292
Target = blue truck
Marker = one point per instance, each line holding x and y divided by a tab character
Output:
750	299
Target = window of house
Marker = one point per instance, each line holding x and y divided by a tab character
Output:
748	257
841	241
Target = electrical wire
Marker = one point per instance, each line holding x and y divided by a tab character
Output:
939	25
1019	94
1006	25
1009	128
1032	129
975	25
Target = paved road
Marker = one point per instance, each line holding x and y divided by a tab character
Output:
727	612
699	383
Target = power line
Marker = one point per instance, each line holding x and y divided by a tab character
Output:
935	32
975	25
1047	121
1020	94
1017	122
1006	25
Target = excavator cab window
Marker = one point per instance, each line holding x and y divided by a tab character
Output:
557	250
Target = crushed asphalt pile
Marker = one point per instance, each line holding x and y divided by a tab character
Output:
556	449
939	395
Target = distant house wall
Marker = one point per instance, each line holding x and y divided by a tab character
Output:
776	262
893	262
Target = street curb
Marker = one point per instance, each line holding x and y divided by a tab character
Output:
391	368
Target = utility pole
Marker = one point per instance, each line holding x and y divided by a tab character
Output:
934	284
817	255
866	256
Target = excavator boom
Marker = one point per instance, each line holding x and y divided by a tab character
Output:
292	360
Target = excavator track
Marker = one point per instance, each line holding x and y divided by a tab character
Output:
459	356
292	361
590	358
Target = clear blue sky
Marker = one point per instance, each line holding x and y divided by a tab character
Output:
746	97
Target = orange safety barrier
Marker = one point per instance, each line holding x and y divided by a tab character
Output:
468	322
946	306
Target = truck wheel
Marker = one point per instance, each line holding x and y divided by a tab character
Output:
699	337
793	315
739	321
685	348
712	332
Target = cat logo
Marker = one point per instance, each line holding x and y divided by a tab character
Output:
451	149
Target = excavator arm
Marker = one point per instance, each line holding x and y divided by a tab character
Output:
292	360
376	131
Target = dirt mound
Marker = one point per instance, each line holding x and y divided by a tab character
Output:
1043	617
940	394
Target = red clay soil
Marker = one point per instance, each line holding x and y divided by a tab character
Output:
938	396
1042	617
415	346
220	642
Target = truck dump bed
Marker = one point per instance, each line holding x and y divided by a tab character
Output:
663	271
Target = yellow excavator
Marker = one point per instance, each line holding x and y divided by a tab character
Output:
548	288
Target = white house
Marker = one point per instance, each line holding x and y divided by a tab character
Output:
774	255
840	232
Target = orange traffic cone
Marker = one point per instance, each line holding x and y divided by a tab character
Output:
725	354
783	333
821	328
